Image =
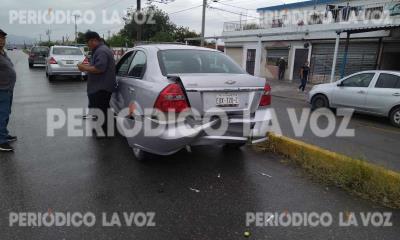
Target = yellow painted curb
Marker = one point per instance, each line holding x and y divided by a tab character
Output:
367	180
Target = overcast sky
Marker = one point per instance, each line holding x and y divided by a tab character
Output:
190	18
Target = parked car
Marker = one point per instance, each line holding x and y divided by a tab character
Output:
63	60
370	92
10	48
37	55
176	77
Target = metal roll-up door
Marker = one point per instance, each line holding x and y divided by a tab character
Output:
361	57
391	47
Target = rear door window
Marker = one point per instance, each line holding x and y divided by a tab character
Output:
387	80
123	65
138	66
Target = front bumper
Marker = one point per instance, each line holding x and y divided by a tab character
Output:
174	138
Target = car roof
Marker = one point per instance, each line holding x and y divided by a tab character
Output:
175	47
56	46
380	71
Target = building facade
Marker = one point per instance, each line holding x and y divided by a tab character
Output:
347	36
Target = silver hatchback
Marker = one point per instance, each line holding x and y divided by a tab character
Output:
63	60
188	92
372	92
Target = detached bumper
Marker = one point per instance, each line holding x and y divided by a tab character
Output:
175	137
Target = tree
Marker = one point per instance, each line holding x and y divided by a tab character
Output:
117	40
183	32
161	20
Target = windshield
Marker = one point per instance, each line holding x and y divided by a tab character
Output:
67	51
196	61
40	50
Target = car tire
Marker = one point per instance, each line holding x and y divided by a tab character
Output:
141	155
30	65
395	117
319	101
234	145
51	78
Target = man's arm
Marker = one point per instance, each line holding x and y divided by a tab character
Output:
100	65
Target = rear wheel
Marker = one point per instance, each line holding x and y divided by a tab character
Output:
319	101
51	78
395	117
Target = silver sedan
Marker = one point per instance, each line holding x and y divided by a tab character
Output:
206	99
370	92
63	60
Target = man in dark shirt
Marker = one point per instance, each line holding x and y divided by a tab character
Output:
282	68
7	83
304	72
101	75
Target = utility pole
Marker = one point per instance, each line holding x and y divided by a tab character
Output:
40	38
76	28
109	35
48	32
139	26
203	22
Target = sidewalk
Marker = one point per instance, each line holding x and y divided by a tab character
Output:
287	89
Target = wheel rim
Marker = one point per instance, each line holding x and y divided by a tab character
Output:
396	117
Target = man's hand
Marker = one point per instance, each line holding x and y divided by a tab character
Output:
88	68
82	67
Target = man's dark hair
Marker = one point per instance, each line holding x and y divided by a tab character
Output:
91	35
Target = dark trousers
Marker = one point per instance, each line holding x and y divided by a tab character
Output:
281	73
303	84
6	97
101	100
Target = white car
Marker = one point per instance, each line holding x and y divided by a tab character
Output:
371	92
63	60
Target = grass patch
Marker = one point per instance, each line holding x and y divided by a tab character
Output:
364	179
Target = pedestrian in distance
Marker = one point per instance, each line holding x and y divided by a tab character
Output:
101	81
8	77
282	68
304	72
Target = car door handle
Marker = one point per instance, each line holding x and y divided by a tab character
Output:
396	94
361	92
131	90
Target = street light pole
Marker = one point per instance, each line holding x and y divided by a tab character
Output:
203	22
139	27
76	28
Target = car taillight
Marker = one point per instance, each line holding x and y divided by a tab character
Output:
86	61
171	99
266	97
52	61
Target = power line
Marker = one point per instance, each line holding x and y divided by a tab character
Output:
235	6
183	10
240	14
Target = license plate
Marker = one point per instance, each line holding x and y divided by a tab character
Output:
227	100
69	62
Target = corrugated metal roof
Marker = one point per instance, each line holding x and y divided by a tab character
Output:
297	5
370	28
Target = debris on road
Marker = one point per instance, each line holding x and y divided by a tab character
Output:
264	174
194	190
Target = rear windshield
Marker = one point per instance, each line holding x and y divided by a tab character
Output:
67	51
196	61
40	50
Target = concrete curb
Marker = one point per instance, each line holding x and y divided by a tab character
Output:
364	179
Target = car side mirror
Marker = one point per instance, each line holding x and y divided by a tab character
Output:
340	84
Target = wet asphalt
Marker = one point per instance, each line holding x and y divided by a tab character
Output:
200	195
